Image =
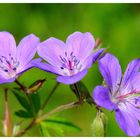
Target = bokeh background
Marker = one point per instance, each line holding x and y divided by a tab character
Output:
118	26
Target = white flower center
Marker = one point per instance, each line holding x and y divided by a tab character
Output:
70	64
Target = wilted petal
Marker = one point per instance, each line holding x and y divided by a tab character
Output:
27	49
51	50
111	71
101	96
72	79
81	44
7	45
128	123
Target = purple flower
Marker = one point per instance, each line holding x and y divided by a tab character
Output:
15	60
69	60
120	94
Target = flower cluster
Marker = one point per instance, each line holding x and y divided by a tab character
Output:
70	61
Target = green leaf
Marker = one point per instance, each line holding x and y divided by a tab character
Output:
44	131
64	124
55	126
22	100
51	130
23	114
36	101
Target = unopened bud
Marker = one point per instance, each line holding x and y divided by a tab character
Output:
98	125
35	86
97	43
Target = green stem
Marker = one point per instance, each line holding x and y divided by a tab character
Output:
77	93
56	110
49	96
45	116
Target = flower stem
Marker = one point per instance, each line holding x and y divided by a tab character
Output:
77	93
57	109
22	87
45	116
49	96
7	115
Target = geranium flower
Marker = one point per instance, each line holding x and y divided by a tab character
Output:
69	60
120	94
16	60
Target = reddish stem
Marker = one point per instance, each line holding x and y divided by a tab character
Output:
7	114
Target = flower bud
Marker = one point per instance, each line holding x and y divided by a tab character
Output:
98	125
35	86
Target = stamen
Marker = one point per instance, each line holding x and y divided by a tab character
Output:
70	62
8	64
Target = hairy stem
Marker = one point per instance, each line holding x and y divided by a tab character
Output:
49	96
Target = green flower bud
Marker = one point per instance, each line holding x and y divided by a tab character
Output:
99	124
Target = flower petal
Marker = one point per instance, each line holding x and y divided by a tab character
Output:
101	96
81	44
47	67
51	50
72	79
111	71
3	81
7	45
27	49
92	59
132	68
21	70
128	123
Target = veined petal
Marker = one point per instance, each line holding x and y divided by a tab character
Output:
87	63
111	71
132	68
128	123
133	86
51	50
47	67
81	44
27	49
7	45
28	66
101	96
72	79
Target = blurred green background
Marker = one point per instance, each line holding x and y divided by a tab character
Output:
118	26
